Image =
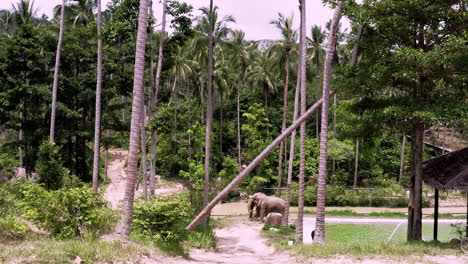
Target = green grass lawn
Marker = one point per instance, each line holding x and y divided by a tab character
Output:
363	240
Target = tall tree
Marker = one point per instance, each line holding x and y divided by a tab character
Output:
320	218
285	46
420	56
154	98
124	224
97	124
292	147
302	130
209	113
316	41
56	73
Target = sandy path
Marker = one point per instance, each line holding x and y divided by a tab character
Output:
116	172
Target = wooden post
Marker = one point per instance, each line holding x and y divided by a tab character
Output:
436	213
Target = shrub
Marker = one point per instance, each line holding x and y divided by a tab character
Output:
49	166
67	212
162	218
8	164
11	228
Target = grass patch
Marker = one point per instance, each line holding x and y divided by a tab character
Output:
360	240
44	250
351	213
448	216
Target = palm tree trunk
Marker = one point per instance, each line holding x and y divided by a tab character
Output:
292	147
321	186
154	100
124	224
402	158
238	125
97	124
56	73
209	116
302	131
221	125
334	131
260	157
21	135
106	157
143	150
283	125
415	200
356	164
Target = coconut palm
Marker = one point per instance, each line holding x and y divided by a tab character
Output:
320	218
6	21
78	12
124	224
24	12
282	49
97	124
240	57
316	41
56	72
302	130
154	95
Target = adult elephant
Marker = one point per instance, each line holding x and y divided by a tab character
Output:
254	210
268	204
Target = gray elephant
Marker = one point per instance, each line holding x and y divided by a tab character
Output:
274	219
253	209
268	204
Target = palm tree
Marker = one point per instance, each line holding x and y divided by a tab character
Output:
124	224
316	42
320	218
262	74
24	12
56	72
283	47
240	56
209	109
78	12
154	98
302	131
6	21
97	125
292	147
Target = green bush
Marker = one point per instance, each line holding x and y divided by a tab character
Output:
49	166
67	212
11	228
8	163
162	218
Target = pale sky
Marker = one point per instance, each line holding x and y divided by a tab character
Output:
252	16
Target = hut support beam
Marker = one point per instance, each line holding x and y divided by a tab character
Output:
436	214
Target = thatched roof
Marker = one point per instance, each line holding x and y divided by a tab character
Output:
449	171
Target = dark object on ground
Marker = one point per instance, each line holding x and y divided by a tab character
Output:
312	234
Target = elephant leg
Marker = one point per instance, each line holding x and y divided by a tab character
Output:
262	214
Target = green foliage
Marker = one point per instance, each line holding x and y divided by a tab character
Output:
49	166
162	218
11	228
67	213
8	164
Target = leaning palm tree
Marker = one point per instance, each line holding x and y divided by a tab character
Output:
97	124
283	49
56	72
124	224
320	218
154	98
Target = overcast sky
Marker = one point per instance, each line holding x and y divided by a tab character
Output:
252	16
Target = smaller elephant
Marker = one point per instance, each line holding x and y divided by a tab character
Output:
274	219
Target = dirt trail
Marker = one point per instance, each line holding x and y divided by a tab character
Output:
116	173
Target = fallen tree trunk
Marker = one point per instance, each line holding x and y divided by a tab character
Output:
254	164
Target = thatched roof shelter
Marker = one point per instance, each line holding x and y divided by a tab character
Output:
449	171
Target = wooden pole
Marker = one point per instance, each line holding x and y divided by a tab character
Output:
436	213
254	164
